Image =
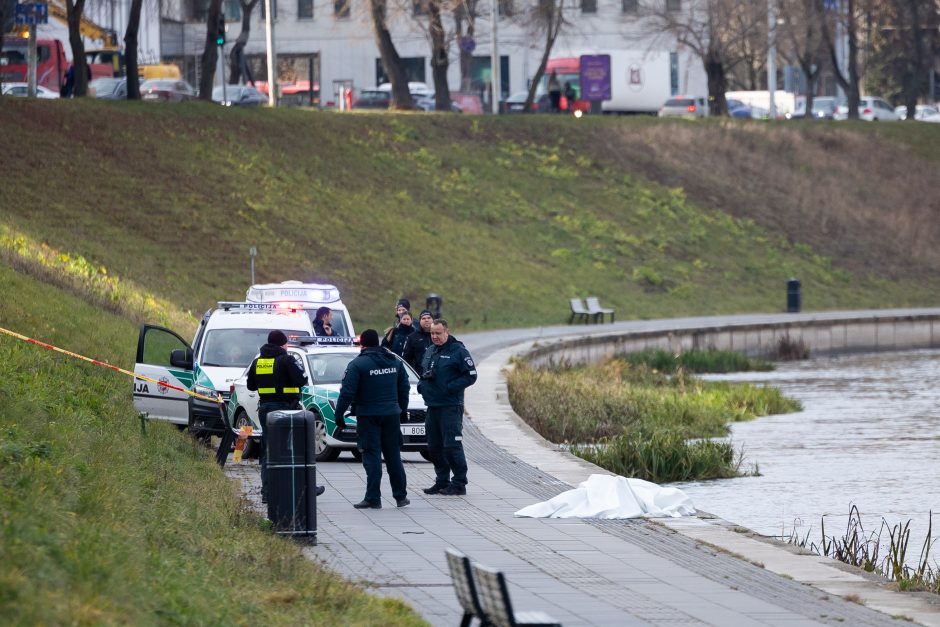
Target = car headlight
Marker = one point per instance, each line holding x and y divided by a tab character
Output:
204	391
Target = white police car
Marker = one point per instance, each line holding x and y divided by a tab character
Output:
324	361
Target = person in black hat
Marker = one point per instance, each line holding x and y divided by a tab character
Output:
377	382
418	342
277	378
403	306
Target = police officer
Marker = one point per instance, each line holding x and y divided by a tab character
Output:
277	378
377	382
418	342
448	371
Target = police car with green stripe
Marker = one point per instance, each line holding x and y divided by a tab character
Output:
324	361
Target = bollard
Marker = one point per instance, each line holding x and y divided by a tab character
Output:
793	295
434	303
292	472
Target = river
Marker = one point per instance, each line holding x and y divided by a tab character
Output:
868	435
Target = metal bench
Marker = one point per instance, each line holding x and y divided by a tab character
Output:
594	309
466	590
578	309
497	608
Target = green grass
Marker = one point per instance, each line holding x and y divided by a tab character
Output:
101	524
506	218
639	422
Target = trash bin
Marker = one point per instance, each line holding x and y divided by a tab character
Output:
793	296
434	303
292	472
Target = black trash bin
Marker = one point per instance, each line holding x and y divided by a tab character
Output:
292	472
435	304
793	296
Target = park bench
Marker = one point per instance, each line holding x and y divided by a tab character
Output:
578	309
483	594
594	309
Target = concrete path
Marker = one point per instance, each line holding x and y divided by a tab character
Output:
687	571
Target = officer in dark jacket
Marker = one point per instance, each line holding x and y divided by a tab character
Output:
418	342
396	337
377	382
448	371
277	378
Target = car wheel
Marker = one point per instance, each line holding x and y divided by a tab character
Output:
252	447
325	453
424	453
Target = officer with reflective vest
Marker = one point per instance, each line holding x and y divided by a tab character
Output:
277	378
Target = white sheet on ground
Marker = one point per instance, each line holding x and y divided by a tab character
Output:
609	496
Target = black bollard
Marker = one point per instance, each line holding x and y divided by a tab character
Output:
793	296
292	472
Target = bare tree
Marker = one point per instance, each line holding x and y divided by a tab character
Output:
391	61
130	50
849	81
465	11
715	31
439	56
73	12
210	54
915	70
237	55
801	26
545	17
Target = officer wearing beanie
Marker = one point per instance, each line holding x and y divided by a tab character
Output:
277	378
377	383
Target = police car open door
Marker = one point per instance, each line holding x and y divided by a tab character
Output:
165	357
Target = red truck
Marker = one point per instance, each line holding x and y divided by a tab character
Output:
51	64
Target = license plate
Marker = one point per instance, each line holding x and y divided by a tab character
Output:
412	430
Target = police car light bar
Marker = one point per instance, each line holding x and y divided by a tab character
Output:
323	340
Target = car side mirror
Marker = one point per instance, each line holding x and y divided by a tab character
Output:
182	358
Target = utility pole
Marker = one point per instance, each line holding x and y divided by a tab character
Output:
494	61
272	56
772	57
32	54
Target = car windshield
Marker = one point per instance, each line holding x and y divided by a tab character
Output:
327	368
235	348
338	322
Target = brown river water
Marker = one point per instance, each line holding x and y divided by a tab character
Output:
868	435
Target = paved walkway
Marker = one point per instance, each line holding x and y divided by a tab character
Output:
584	572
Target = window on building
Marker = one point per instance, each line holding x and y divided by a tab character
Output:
304	9
505	8
588	6
629	6
414	70
264	13
341	8
673	5
199	10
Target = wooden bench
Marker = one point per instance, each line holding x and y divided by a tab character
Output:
578	309
483	594
594	309
494	599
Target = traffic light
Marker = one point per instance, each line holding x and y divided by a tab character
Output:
220	31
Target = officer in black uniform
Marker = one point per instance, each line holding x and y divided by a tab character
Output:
377	382
418	342
277	378
448	371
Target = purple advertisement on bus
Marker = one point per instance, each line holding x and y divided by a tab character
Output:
595	77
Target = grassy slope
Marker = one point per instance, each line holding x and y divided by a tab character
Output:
101	525
504	217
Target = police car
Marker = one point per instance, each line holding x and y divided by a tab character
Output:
324	361
226	342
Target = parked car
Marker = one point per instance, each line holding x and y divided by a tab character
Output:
416	88
824	108
324	362
685	107
166	90
425	102
922	113
516	103
372	99
738	109
20	90
109	88
870	109
239	96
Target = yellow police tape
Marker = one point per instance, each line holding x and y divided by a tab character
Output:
98	362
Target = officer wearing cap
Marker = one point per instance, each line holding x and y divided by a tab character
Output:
277	378
376	381
448	370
